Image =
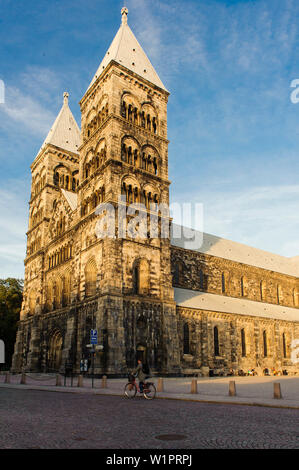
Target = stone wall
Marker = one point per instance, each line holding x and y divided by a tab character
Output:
199	271
201	344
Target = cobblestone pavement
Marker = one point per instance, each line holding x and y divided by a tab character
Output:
32	419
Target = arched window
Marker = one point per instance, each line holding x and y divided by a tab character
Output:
130	113
201	279
58	290
263	290
55	350
186	339
49	294
243	342
142	119
178	272
244	286
124	110
216	341
284	346
56	178
141	277
67	289
90	278
265	346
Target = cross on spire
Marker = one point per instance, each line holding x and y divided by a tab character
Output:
65	97
124	15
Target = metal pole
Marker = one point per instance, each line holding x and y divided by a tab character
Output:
92	367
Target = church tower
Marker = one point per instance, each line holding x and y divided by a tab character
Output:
77	280
124	152
54	175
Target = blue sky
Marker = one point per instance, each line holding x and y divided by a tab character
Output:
233	130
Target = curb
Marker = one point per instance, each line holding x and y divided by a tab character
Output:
99	392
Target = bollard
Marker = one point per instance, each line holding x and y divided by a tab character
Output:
23	379
104	381
232	388
194	386
277	390
7	378
58	380
80	381
160	386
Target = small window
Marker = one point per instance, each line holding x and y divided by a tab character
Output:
223	282
186	339
265	346
178	272
284	346
243	342
216	342
201	280
279	294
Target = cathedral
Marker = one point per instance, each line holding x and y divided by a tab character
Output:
185	310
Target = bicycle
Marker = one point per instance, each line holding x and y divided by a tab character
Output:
131	388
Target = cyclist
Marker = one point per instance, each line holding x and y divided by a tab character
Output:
138	372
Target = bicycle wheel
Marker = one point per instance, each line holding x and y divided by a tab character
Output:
149	391
130	390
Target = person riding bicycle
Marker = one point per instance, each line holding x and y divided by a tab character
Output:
140	374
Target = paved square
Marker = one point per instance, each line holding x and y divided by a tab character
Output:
55	420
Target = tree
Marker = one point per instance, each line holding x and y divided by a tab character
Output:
11	294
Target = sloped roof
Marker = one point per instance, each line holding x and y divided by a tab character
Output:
234	251
126	50
65	132
71	198
221	303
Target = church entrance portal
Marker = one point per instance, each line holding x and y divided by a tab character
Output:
55	349
141	353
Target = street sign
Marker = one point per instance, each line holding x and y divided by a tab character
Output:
98	347
94	336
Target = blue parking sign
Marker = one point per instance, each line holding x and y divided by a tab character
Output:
93	336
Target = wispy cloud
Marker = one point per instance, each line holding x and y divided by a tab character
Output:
20	107
13	226
29	101
264	217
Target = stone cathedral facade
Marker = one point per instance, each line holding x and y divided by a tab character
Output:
220	306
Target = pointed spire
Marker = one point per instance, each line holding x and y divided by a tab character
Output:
126	50
65	132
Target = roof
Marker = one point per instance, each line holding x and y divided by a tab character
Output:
126	50
71	198
65	132
234	251
221	303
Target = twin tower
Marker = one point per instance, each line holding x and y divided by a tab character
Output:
75	281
